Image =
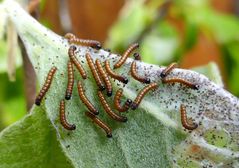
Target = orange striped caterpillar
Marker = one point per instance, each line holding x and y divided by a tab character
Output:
64	123
126	54
136	76
112	74
104	77
185	123
141	95
94	72
70	82
85	100
72	39
168	69
71	53
100	123
46	86
108	110
182	81
117	105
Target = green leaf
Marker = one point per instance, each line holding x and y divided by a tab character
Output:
191	35
13	110
31	142
160	45
134	18
134	13
231	59
12	100
223	27
153	135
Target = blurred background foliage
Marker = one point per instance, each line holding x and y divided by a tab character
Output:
193	33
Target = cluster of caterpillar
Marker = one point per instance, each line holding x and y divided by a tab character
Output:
102	78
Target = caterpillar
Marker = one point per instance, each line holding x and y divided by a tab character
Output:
70	82
72	39
117	105
168	69
184	120
64	123
71	53
46	86
182	81
108	110
141	95
85	100
100	123
136	76
125	55
104	77
94	72
112	74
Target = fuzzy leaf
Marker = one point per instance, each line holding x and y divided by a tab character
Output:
153	135
31	141
211	70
